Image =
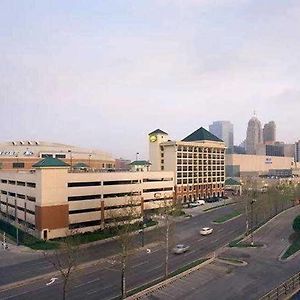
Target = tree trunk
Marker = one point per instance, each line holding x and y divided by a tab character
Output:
167	248
123	278
64	289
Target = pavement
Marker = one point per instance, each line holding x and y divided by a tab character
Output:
263	272
102	280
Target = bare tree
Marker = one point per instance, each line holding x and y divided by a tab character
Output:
125	221
65	259
168	208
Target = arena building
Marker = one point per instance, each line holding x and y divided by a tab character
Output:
51	200
241	165
19	155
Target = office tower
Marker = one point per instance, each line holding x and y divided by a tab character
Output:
269	133
224	131
297	151
254	135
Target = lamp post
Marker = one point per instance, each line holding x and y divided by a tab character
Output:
251	233
90	160
137	156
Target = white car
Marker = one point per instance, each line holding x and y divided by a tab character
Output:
206	231
200	202
180	248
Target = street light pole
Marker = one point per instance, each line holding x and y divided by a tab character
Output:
251	234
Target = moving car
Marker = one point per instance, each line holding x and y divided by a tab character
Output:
180	248
206	231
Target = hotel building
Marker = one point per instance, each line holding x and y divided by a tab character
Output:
51	199
198	162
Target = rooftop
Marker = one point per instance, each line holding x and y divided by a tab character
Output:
50	162
140	163
158	131
201	134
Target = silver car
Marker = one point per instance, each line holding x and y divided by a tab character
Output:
180	248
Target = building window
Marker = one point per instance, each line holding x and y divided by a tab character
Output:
31	184
45	155
60	156
18	165
31	199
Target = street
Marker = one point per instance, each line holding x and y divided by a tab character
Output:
102	280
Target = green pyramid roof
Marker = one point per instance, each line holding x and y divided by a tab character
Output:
80	165
201	134
50	162
157	131
231	181
140	163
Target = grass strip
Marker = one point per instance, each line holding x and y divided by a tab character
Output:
227	217
293	248
34	243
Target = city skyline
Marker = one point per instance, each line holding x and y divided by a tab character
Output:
103	75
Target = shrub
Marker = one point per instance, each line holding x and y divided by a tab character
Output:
296	224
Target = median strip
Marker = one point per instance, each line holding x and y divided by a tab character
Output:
225	218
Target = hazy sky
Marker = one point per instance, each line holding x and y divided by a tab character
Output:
104	74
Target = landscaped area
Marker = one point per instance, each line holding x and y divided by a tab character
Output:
36	244
294	239
239	243
227	217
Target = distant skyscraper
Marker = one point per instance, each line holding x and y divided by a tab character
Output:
297	151
254	135
224	131
269	133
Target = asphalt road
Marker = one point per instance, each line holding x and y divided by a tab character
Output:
103	281
263	272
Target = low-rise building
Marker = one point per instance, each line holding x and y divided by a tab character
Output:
52	199
239	165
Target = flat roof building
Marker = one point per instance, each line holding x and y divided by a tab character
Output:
52	199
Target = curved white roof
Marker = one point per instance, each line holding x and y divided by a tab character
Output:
26	148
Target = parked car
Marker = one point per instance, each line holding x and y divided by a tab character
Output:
206	231
180	248
200	202
194	204
212	199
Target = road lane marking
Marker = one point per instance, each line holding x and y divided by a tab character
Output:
222	229
189	252
85	283
201	239
140	264
150	270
